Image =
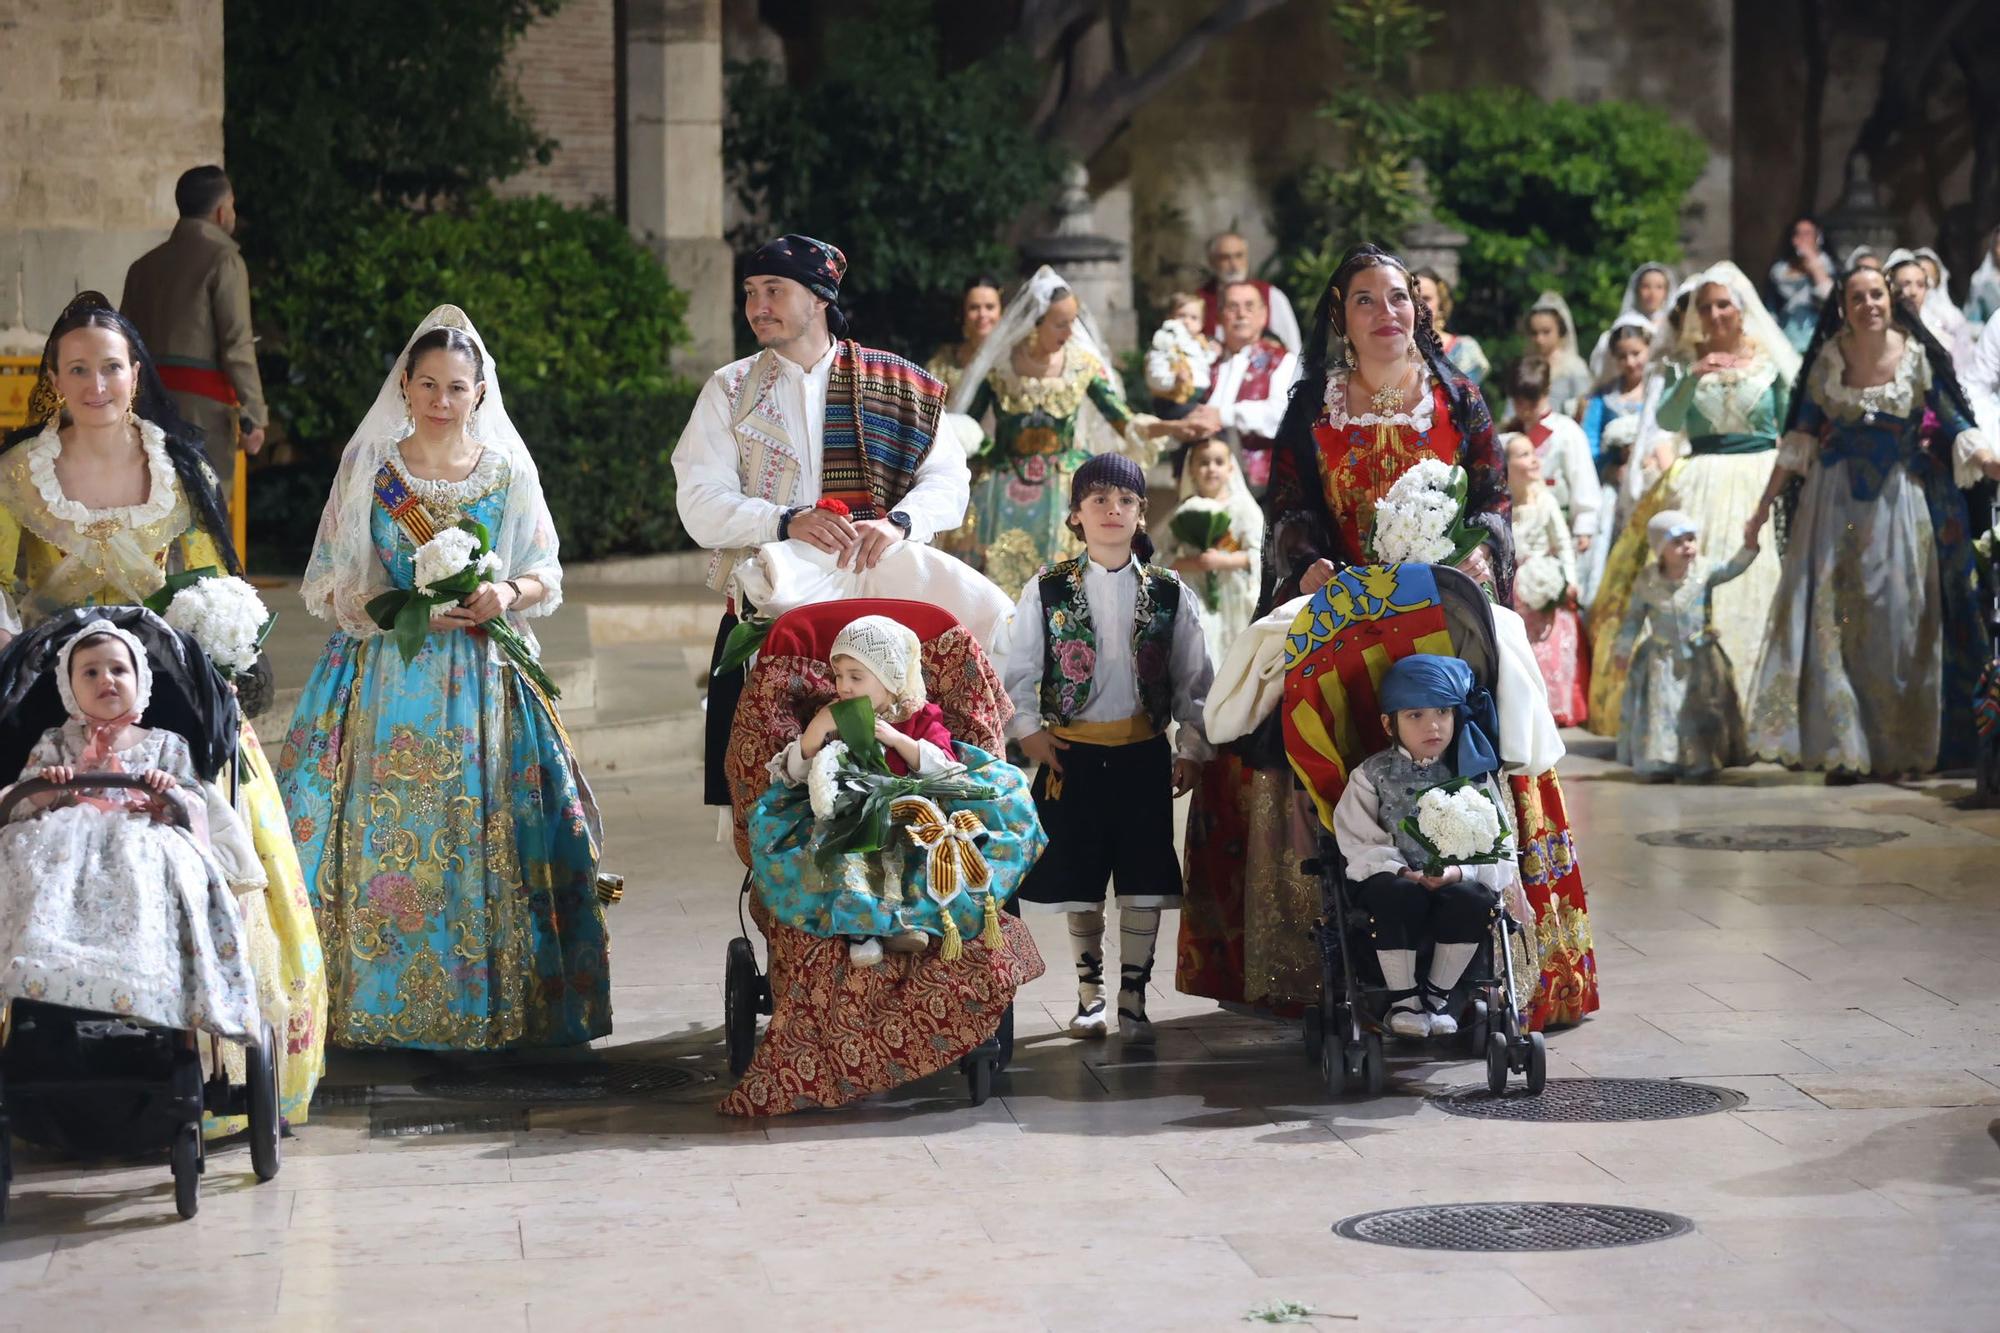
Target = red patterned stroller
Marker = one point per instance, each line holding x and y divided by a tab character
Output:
839	1033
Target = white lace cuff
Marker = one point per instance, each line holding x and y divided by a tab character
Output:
788	765
1970	452
1796	451
1141	450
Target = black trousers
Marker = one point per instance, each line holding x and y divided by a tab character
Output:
1110	821
723	692
1403	914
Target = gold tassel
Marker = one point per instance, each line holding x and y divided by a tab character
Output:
954	947
990	935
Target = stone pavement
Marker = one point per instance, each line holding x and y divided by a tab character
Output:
1852	996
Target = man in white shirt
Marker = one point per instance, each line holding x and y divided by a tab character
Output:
1250	380
1229	261
815	438
1980	377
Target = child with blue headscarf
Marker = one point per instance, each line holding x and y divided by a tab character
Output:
1440	723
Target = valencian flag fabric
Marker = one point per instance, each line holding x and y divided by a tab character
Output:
1338	649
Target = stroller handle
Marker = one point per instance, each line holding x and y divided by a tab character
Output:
21	791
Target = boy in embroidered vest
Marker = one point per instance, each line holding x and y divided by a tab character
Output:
812	416
1104	652
1438	720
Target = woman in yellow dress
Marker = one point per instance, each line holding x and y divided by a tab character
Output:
103	494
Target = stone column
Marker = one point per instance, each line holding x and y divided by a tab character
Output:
674	184
1095	266
111	103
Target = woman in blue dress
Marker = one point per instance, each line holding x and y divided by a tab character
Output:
1875	640
449	841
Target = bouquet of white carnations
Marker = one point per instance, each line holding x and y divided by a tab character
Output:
1202	524
448	569
851	787
1459	825
220	612
1421	521
1539	583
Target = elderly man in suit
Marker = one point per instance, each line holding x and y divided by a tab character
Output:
190	299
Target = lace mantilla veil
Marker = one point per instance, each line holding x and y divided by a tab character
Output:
345	572
1025	310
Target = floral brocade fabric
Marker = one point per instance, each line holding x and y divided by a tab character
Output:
839	1033
1566	988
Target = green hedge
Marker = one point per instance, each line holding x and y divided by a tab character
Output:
578	316
1554	195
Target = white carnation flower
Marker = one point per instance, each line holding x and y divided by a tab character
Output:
443	557
1540	582
1413	521
224	616
823	778
1461	824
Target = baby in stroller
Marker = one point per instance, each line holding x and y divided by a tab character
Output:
951	851
106	904
1439	723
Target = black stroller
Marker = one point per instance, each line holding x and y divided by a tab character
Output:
98	1084
1350	632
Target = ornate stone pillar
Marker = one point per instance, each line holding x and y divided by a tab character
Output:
1859	218
674	180
1096	267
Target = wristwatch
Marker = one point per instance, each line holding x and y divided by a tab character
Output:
901	520
785	520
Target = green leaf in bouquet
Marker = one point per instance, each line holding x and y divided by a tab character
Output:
412	627
479	530
1199	529
742	644
187	578
384	609
1466	537
856	720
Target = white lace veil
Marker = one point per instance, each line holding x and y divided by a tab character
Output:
1024	310
345	571
1757	321
1553	303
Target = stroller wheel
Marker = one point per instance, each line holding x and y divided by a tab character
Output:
1496	1063
260	1067
1333	1063
1004	1037
1374	1069
186	1156
1478	1022
739	1004
1314	1026
978	1068
1538	1062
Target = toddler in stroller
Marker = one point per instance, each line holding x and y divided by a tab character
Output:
1412	892
118	910
976	823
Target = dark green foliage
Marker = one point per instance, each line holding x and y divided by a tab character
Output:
606	464
913	171
1554	195
332	109
578	317
563	297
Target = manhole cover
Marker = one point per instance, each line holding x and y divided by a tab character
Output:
577	1082
1768	838
433	1124
1592	1100
1513	1226
326	1098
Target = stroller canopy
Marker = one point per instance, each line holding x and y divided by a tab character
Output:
189	695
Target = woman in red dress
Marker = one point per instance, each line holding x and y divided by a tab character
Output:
1375	395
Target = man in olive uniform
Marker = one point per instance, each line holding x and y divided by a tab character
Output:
190	300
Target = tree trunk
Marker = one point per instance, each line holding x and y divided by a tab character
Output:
1813	24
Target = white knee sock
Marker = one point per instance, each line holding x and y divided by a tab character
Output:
1138	934
1086	948
1448	964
